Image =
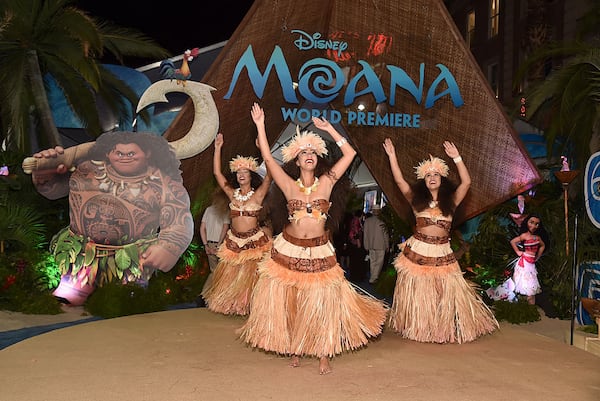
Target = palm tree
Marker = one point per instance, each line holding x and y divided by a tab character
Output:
51	38
566	105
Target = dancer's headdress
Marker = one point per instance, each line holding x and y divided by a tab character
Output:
301	141
432	165
240	162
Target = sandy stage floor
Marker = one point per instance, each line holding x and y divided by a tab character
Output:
193	354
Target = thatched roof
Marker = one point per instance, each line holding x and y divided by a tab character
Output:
415	33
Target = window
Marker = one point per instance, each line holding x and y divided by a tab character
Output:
492	76
470	38
494	18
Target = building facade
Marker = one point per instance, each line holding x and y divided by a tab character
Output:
502	33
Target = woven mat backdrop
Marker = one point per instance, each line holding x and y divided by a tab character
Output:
418	32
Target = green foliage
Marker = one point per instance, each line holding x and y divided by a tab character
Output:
590	328
185	281
387	280
182	284
17	189
516	312
23	286
115	299
202	198
397	227
73	252
49	273
21	227
490	252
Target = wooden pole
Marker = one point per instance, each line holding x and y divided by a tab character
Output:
566	207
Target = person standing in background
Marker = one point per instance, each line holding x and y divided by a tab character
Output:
213	228
375	241
357	254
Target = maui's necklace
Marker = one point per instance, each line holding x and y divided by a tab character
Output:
433	204
307	190
242	198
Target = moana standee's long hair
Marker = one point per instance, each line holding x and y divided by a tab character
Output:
422	196
541	230
277	204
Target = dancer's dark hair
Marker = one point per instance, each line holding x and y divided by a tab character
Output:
422	196
255	180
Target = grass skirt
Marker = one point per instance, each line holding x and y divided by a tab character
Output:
228	289
306	307
433	302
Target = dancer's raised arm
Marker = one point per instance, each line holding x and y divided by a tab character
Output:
281	178
463	173
221	179
404	187
348	152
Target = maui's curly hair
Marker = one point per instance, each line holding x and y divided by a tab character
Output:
422	196
162	154
277	204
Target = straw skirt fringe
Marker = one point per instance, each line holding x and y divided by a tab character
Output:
305	313
229	288
435	303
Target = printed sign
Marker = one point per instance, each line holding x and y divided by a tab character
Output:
592	189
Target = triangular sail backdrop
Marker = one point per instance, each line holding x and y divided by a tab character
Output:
417	38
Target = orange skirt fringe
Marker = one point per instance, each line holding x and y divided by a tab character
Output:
435	303
228	289
308	313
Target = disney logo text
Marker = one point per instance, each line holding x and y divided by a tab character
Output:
307	42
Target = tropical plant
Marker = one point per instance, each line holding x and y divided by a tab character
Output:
21	227
566	105
42	40
24	285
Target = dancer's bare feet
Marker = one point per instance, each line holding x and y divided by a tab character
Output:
324	367
295	362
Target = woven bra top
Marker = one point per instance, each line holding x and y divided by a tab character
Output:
246	211
317	209
426	218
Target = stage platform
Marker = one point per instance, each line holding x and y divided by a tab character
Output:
194	355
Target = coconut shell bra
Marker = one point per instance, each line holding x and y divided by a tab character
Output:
245	211
433	217
316	209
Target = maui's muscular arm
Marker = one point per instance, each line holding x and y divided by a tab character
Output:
176	228
53	184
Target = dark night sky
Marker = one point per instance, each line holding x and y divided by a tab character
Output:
177	26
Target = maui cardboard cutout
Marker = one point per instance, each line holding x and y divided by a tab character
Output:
129	211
